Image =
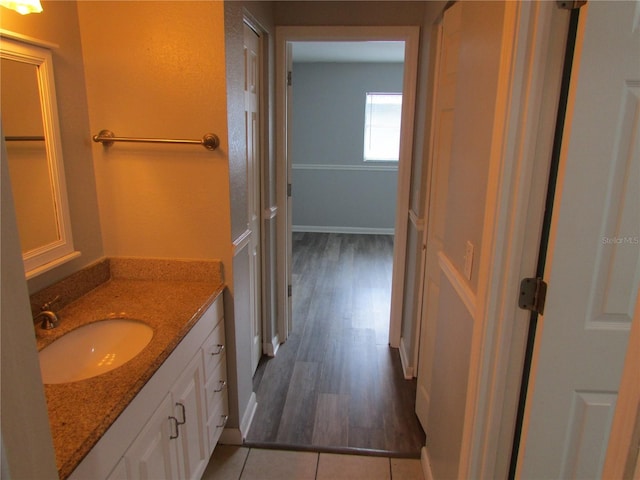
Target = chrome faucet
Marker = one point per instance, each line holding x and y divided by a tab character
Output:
49	319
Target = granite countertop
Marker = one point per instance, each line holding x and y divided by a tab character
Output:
81	412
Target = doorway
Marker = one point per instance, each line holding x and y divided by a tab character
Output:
310	391
345	138
286	37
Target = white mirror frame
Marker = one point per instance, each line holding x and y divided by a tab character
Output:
24	49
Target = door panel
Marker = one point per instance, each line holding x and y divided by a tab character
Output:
443	134
251	104
154	453
189	408
593	264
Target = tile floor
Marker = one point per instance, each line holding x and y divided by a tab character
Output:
241	463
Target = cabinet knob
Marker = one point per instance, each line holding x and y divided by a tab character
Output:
221	386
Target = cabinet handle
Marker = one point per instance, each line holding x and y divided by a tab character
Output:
222	385
184	414
219	351
224	421
175	420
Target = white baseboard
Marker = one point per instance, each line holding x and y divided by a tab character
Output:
236	436
426	465
407	368
249	412
271	348
333	229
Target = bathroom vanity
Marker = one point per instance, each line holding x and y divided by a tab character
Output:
160	414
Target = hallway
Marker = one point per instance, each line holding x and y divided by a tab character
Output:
335	385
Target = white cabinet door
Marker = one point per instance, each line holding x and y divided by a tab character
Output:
154	453
120	471
189	409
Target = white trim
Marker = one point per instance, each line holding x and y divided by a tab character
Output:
14	48
270	213
425	325
284	36
407	369
425	464
458	283
241	242
416	220
351	168
271	348
249	413
335	229
51	265
283	246
27	39
409	87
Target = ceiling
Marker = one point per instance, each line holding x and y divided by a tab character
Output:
348	52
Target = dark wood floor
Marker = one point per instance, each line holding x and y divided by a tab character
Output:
335	384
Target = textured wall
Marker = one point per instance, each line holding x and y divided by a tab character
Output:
156	69
471	144
349	13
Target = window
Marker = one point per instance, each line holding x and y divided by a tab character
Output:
382	115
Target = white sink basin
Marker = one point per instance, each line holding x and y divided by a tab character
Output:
93	349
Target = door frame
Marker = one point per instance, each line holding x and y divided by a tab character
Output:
536	33
529	82
284	36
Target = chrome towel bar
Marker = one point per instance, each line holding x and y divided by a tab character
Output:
210	141
24	138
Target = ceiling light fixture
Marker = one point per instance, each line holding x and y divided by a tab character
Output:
23	7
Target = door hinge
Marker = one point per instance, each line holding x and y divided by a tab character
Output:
289	78
289	291
288	189
570	4
533	292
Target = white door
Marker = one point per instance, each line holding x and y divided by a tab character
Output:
252	122
443	133
593	263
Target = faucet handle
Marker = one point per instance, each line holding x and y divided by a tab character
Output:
47	305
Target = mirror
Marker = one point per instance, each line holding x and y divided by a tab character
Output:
34	155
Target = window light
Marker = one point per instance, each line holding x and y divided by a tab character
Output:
383	113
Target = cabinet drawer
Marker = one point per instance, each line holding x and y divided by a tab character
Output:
217	422
216	387
213	349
